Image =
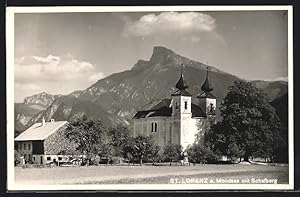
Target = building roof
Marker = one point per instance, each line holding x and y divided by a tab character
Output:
181	93
163	109
197	111
206	95
39	132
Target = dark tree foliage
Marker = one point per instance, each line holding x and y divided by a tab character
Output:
140	148
198	153
249	125
154	153
90	136
128	150
172	152
119	138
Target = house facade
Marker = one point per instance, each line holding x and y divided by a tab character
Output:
178	120
44	143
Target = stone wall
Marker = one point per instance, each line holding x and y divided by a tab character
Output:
57	143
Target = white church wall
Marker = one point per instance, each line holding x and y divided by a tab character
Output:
201	129
188	132
176	132
186	104
163	133
184	131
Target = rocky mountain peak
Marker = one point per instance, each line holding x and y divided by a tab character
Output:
44	99
162	55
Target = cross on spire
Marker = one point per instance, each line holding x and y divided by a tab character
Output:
181	69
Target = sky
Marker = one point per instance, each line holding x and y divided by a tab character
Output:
59	53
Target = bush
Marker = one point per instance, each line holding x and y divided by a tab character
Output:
201	154
172	152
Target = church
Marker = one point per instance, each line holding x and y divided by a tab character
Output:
178	120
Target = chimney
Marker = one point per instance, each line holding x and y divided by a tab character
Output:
43	121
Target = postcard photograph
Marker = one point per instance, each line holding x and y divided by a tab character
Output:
150	98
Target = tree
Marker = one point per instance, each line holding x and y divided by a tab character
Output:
139	148
105	150
154	153
142	146
89	135
172	152
249	125
198	153
128	150
119	138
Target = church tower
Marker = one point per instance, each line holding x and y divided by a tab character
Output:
181	111
207	100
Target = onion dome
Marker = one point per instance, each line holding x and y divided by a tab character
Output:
206	87
181	86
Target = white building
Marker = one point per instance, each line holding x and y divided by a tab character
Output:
178	120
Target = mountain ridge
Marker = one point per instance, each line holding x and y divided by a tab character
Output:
120	95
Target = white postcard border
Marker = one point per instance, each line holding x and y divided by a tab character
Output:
11	186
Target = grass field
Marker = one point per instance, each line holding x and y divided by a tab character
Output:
147	174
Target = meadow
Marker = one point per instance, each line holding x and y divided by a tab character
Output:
148	174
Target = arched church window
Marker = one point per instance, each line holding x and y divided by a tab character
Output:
185	104
176	105
153	127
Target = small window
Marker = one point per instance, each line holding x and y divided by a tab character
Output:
185	104
176	105
24	146
153	127
48	158
29	147
33	158
19	147
59	158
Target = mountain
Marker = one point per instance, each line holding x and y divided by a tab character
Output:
69	107
31	106
43	99
125	92
117	97
274	89
24	113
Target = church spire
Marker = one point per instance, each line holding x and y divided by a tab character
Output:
206	87
181	84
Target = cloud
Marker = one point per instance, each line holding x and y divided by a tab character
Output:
53	74
50	67
169	23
